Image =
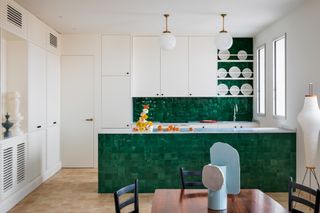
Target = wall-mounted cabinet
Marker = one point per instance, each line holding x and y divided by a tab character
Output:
36	31
53	148
187	70
116	55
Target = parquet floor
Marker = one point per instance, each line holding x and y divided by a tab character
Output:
75	190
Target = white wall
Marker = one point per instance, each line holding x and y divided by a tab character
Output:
303	56
88	44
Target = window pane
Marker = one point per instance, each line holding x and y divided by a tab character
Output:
261	81
280	77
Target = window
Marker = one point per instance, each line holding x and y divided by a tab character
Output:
261	80
279	77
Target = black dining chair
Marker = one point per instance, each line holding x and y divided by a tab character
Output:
306	190
186	174
135	200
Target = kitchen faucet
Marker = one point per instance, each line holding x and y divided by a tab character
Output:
235	111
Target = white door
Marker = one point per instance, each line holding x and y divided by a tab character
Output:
77	111
174	70
146	67
53	147
202	66
116	102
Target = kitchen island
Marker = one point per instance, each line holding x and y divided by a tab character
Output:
267	157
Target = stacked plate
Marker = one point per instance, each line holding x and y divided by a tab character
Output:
234	90
234	72
222	89
247	73
224	55
242	55
222	73
246	89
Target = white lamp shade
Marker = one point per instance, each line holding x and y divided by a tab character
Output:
309	120
224	41
167	41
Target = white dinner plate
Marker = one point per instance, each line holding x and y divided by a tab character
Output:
222	73
224	55
234	72
222	89
242	55
246	89
234	90
247	73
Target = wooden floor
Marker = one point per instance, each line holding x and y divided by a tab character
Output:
75	190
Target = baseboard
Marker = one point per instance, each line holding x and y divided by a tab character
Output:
51	172
16	197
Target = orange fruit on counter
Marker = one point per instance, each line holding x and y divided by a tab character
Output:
177	129
168	129
160	128
190	129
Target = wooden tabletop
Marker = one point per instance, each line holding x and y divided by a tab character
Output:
196	201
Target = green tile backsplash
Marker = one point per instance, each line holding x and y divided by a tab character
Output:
266	159
176	110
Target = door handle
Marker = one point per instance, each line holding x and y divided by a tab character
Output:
89	119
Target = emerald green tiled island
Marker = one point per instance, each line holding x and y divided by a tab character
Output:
267	158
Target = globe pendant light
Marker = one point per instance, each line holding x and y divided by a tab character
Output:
167	40
224	40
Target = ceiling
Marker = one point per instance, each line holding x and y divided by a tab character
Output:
245	17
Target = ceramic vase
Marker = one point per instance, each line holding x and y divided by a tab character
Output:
309	120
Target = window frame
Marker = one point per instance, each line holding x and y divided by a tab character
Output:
274	78
259	113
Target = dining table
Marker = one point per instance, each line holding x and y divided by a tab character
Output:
196	201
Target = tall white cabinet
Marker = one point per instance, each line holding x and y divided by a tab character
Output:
116	82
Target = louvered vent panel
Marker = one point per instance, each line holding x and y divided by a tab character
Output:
14	16
21	163
7	169
53	40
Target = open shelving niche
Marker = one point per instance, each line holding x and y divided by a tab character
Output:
234	61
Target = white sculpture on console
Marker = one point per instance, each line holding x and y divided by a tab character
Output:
13	108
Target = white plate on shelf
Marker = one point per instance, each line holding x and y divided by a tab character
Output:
234	72
242	55
247	73
246	89
234	90
222	73
224	55
222	89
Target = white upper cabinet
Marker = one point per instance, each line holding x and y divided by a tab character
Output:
15	18
174	70
36	87
53	89
116	102
36	31
53	148
146	67
202	66
116	55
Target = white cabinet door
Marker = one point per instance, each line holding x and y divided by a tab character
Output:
146	67
202	66
53	147
36	87
116	55
53	89
174	70
36	154
116	102
36	31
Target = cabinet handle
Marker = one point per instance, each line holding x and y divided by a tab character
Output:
89	119
54	122
157	94
190	94
38	127
128	73
128	125
161	94
235	126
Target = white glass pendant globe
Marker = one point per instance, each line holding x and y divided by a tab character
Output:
167	41
224	41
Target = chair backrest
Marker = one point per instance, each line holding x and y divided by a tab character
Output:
130	188
184	174
293	198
